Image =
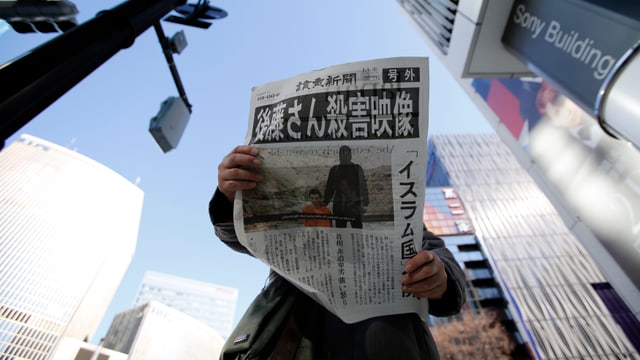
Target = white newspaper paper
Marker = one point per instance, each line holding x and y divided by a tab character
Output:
357	133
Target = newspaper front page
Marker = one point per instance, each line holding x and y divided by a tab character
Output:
340	209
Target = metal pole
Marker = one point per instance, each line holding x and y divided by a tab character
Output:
38	78
172	65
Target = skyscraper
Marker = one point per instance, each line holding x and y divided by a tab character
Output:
445	216
213	305
559	300
68	231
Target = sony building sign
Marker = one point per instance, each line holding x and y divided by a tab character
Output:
573	44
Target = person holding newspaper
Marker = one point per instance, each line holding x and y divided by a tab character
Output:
433	274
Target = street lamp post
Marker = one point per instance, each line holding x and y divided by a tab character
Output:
166	50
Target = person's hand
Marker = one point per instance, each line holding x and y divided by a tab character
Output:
239	170
425	276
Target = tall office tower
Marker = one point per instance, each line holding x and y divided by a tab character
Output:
68	231
445	216
559	299
157	331
214	305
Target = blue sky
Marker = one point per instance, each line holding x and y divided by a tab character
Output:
106	116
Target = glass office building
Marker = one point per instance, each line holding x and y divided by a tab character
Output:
68	231
551	286
212	304
445	216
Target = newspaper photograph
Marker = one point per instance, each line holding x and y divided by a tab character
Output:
339	211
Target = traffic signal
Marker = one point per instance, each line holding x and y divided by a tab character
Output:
46	16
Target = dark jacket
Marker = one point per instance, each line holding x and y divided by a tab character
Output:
221	214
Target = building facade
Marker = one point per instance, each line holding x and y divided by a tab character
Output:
552	287
562	95
445	216
156	331
212	304
68	232
74	349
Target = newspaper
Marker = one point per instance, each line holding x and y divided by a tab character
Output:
356	133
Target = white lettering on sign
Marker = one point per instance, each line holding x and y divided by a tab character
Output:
580	48
528	21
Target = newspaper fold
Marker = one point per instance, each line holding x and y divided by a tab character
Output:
340	210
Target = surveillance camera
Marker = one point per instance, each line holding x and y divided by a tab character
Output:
167	127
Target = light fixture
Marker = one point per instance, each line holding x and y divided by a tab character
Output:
178	42
167	127
617	108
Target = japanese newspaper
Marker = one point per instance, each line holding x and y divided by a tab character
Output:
339	211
